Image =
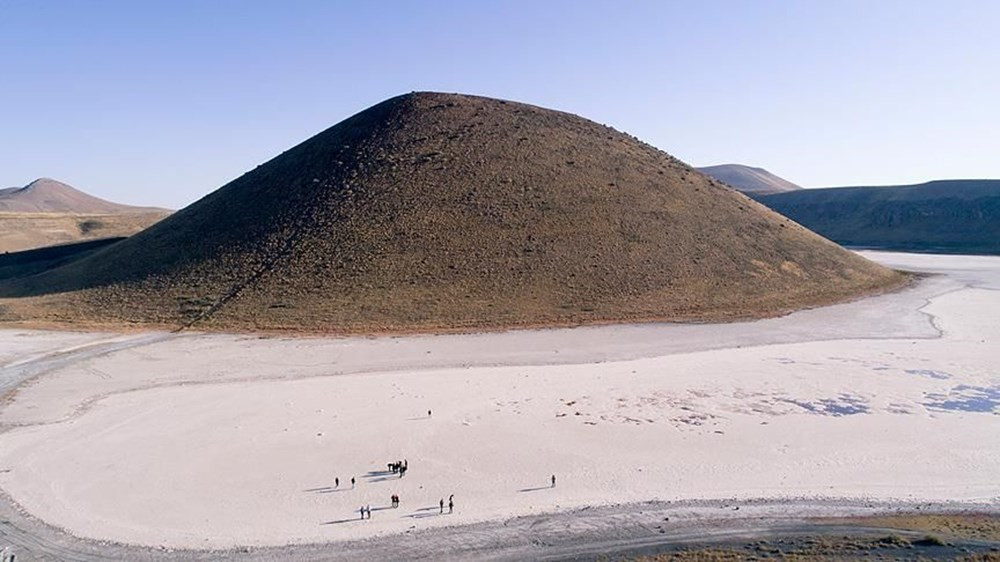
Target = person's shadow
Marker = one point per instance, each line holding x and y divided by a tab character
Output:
339	521
326	490
424	512
358	518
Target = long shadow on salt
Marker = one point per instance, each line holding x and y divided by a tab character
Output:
424	512
339	521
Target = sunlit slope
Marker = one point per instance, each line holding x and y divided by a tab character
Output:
439	211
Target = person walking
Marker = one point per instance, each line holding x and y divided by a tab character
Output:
441	503
451	506
352	481
428	413
362	510
369	510
336	482
553	480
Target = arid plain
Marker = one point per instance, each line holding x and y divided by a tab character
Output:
213	441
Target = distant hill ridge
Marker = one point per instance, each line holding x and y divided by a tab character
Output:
45	195
47	212
434	211
749	180
957	216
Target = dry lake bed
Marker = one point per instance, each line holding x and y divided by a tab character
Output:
206	441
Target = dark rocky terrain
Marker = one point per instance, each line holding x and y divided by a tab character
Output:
29	262
952	216
441	212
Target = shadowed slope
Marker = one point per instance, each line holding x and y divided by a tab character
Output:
752	181
438	211
957	216
28	262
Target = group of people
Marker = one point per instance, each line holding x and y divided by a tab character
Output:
451	504
398	467
336	482
366	510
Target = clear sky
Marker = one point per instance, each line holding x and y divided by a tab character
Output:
161	102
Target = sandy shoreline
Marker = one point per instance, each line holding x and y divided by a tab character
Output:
893	398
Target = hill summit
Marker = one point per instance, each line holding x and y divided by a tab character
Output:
46	195
442	211
749	180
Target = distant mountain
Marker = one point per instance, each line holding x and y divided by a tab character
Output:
46	195
752	181
47	212
949	216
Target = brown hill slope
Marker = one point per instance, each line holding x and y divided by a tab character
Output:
438	211
28	231
749	180
46	195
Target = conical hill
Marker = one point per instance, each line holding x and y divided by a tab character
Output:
437	211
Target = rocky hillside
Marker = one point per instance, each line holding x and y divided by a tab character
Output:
439	212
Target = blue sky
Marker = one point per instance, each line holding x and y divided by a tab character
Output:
153	102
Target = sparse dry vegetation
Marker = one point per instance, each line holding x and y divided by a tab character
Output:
435	211
27	231
832	546
977	526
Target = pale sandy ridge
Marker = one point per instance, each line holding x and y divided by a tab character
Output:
822	418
